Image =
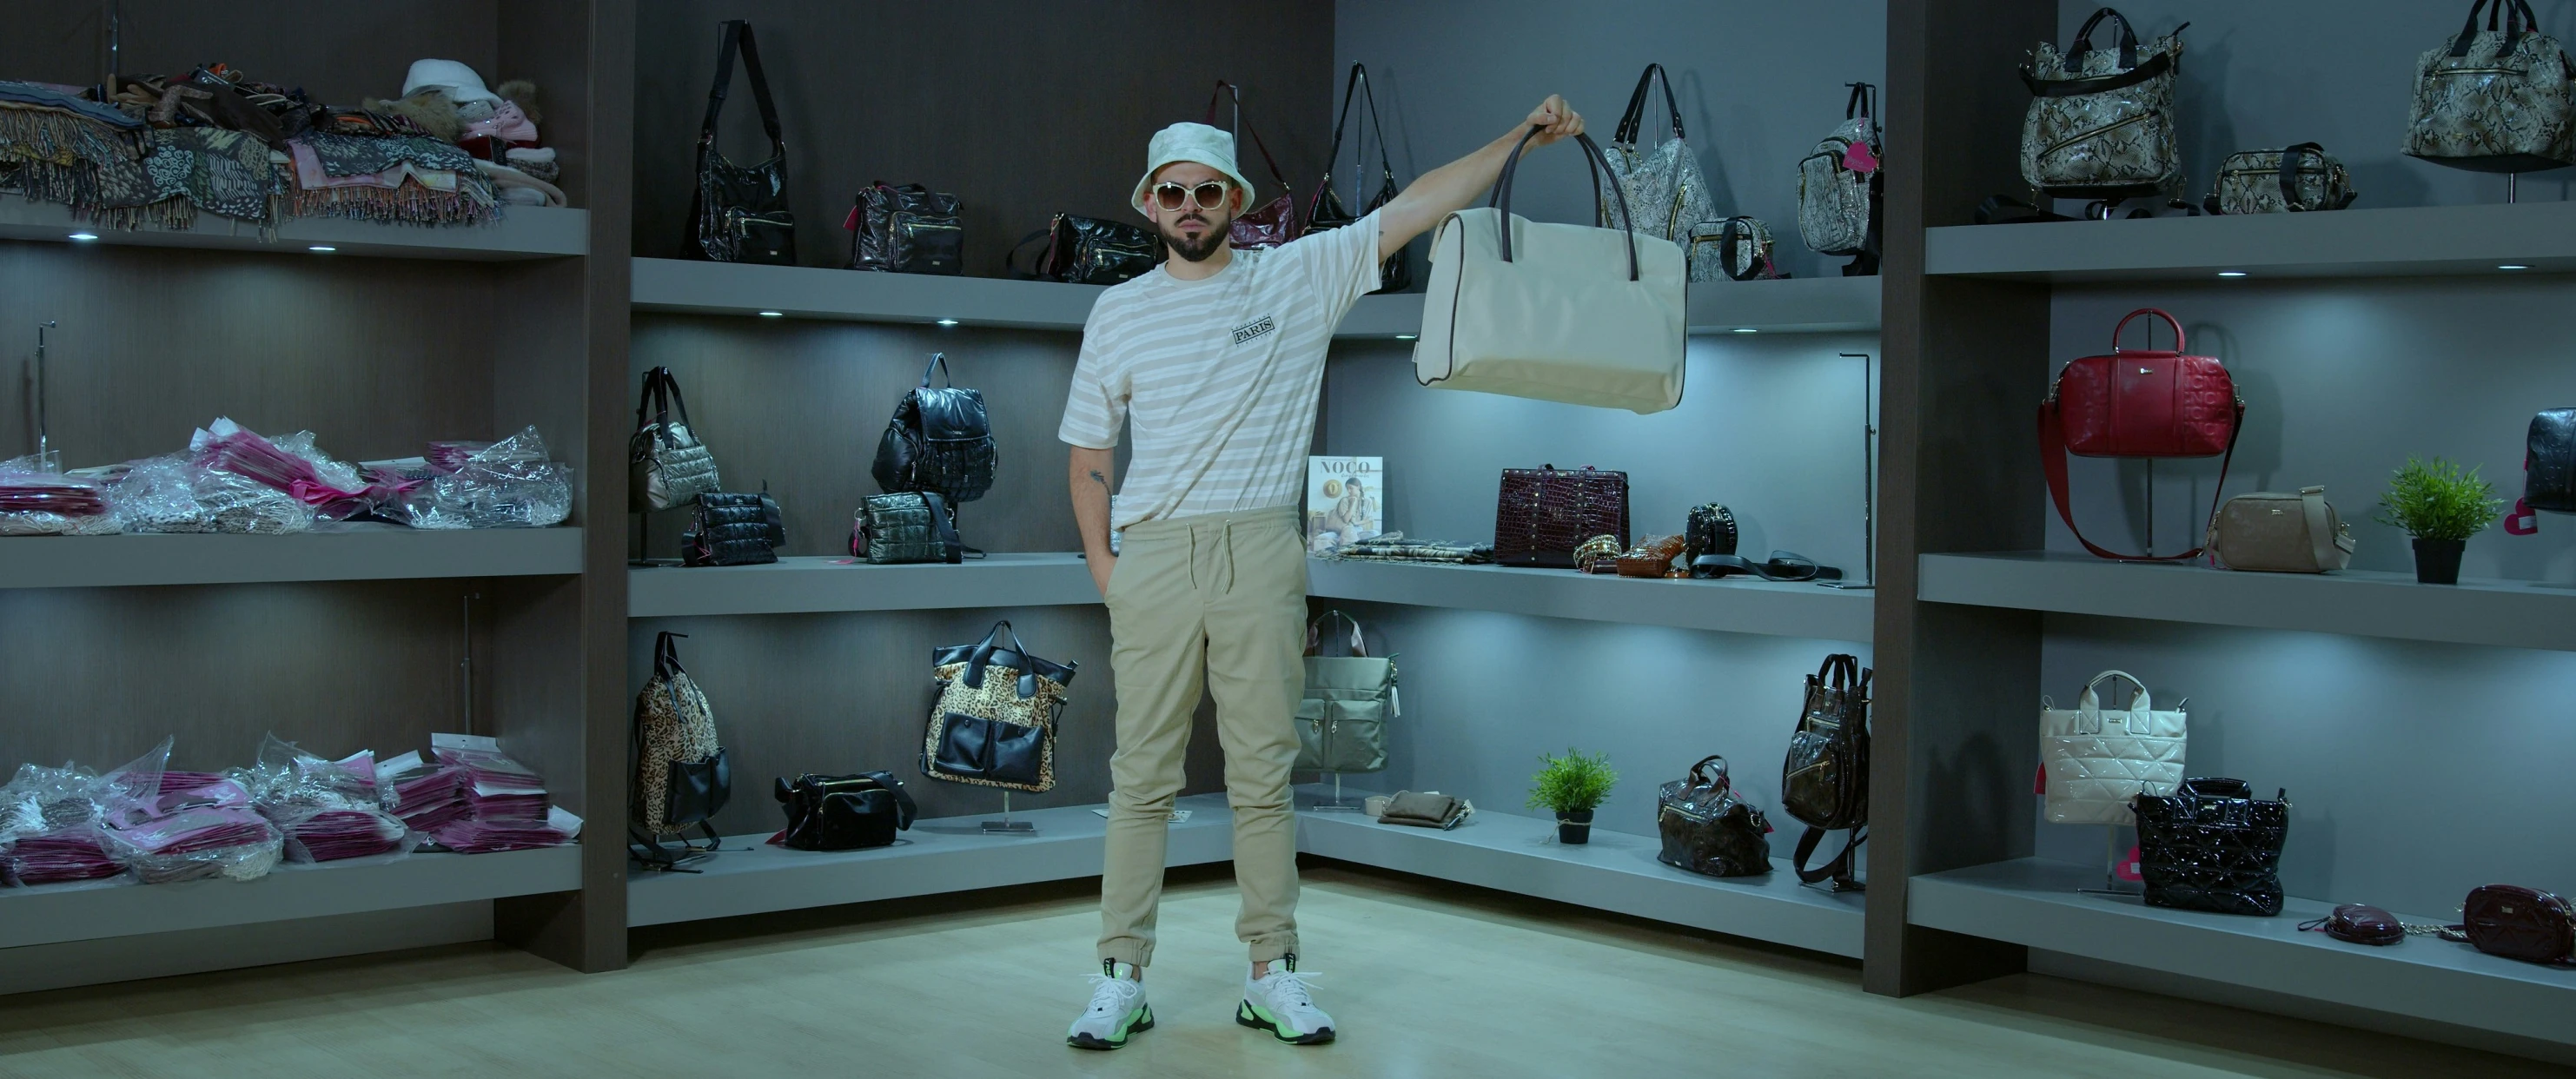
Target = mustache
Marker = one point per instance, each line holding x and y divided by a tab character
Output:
1187	218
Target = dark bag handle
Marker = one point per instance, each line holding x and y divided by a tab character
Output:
1011	260
1631	121
737	37
2290	179
1501	197
2084	39
1224	88
905	810
2517	17
1315	636
1719	779
1863	104
1358	83
943	523
938	363
1840	869
2131	73
661	393
982	656
1730	239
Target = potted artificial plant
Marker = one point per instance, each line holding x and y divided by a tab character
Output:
1573	784
2439	506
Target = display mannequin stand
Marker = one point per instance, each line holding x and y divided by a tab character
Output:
44	440
1007	826
1868	482
1338	804
2111	867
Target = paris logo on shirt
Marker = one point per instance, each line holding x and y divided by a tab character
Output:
1253	329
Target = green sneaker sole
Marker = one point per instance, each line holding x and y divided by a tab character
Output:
1250	1015
1141	1021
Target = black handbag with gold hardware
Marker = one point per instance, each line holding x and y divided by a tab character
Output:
1825	781
851	812
1707	829
738	213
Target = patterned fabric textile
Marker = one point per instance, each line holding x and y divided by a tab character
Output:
401	179
58	148
1393	547
222	172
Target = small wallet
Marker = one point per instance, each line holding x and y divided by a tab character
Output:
1430	809
2359	923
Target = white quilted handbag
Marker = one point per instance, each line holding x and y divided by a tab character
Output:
1570	313
2097	759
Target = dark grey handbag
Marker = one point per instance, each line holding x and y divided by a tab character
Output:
907	229
738	213
904	527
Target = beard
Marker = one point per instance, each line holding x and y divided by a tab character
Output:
1201	249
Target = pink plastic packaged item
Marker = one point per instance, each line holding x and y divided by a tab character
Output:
167	837
48	827
326	810
35	501
290	464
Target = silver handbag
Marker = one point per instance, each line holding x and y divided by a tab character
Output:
666	464
1736	247
2287	180
1838	186
1662	183
2495	100
1341	723
2101	121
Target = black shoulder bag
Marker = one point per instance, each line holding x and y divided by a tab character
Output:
1325	210
851	812
1086	251
739	213
939	440
733	528
1825	781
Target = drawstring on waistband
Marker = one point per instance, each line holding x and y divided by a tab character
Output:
1227	538
1225	544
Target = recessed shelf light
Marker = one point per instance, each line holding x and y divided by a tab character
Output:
773	314
1744	329
2513	266
2231	273
947	322
323	249
1408	336
84	237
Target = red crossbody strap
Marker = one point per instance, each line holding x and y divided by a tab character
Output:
2052	459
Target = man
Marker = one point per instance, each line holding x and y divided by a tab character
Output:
1216	360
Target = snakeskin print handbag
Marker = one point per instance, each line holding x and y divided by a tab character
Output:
1736	247
2495	100
2292	179
1662	181
2101	121
1839	186
994	723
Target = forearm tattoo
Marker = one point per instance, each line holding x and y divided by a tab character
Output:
1103	481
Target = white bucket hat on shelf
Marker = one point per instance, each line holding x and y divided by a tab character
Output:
1209	146
460	82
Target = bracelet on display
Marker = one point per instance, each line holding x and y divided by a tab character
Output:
1782	566
1595	550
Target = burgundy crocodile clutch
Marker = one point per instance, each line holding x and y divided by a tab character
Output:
1542	514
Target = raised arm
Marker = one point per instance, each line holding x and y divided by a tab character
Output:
1453	187
1091	476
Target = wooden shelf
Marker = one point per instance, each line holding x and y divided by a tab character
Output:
2516	614
2034	902
92	910
2401	242
1732	606
805	585
524	232
331	553
947	854
1615	872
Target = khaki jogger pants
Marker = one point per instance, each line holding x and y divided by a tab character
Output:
1215	602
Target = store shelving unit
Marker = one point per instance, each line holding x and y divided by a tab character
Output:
1786	609
524	232
936	856
1615	872
2412	241
331	553
808	584
2034	902
2514	614
57	913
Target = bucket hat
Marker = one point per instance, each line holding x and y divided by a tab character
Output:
1209	146
460	82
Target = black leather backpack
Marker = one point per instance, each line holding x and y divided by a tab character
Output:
1825	781
940	440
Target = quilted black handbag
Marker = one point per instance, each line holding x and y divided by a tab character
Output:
1707	829
738	213
851	812
1825	780
1086	251
904	527
907	229
1325	210
733	528
2212	846
939	440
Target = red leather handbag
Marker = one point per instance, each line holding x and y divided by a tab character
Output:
2517	923
2138	403
1274	222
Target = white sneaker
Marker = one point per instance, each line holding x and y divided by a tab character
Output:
1117	1009
1279	1003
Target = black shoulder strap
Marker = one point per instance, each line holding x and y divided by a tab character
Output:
737	38
1840	869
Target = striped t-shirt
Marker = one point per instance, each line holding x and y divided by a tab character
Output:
1218	377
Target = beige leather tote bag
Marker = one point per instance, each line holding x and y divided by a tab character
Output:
1570	313
2281	533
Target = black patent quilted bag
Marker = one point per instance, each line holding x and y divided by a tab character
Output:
733	528
940	440
1707	829
738	213
2213	846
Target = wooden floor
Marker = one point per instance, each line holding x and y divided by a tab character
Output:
1426	980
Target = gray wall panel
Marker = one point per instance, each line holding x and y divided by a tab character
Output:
1768	425
1484	694
2263	76
1758	85
2415	771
